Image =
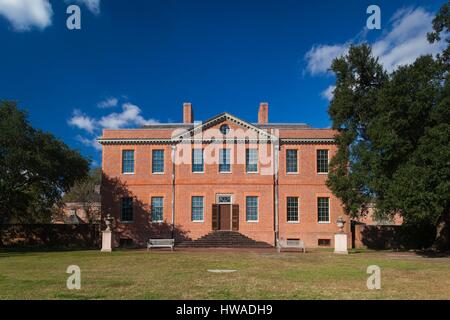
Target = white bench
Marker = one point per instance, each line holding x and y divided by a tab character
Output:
291	244
160	243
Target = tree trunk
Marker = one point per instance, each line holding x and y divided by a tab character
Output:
442	241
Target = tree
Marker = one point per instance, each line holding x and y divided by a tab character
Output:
85	192
394	137
35	168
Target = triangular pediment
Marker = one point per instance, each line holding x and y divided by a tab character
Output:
225	118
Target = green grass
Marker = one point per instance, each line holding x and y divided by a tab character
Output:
260	275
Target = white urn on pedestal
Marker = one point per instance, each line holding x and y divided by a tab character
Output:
107	235
340	238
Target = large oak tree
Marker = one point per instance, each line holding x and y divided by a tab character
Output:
394	136
35	168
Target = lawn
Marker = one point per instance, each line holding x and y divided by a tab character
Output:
260	275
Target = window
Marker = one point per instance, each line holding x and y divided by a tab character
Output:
224	160
323	209
322	161
157	161
251	207
127	209
251	160
157	209
197	208
197	160
224	198
291	161
292	209
224	129
324	242
127	161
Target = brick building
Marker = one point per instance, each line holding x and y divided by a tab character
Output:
187	180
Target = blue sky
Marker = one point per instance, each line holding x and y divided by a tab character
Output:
136	62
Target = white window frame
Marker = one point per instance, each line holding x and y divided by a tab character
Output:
203	209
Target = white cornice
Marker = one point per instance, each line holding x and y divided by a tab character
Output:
129	141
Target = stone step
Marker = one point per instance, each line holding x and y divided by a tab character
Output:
226	239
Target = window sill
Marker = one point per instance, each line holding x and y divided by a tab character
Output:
198	221
293	222
128	173
291	173
322	173
127	222
157	172
252	221
323	222
160	222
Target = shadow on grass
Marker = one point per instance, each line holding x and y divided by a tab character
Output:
433	254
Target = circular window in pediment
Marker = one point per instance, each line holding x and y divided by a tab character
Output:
224	128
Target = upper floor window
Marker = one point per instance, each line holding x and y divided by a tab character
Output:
291	161
127	209
323	209
251	208
197	208
157	161
157	209
292	209
224	160
251	160
322	161
224	128
197	160
127	161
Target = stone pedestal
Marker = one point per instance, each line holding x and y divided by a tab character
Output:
340	243
107	241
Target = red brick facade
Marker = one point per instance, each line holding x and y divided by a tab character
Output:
177	184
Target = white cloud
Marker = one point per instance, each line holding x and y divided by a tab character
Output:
129	117
27	14
319	57
328	93
108	103
82	121
92	5
89	142
404	41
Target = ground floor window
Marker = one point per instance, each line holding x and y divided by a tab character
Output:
197	208
127	209
251	205
324	242
323	209
157	209
292	209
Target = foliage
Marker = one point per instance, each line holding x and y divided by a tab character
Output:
35	168
86	192
394	137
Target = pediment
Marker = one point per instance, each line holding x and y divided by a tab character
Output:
238	129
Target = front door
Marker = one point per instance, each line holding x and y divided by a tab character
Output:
224	217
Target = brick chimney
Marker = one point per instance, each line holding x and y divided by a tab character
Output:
188	113
263	113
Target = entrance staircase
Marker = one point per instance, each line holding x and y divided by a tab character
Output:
224	239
